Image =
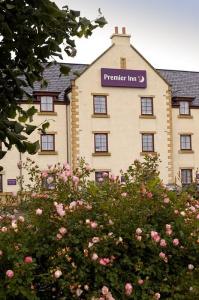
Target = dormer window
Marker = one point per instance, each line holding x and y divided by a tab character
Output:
184	108
46	104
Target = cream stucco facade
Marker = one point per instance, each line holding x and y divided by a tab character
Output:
123	123
76	127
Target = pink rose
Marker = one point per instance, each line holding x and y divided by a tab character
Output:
21	219
138	237
93	224
190	267
94	256
87	167
157	296
63	230
168	226
176	242
140	281
58	273
169	232
1	252
105	290
104	261
28	259
124	194
128	289
75	179
59	236
166	200
104	174
39	211
149	195
44	174
162	255
163	243
9	273
138	231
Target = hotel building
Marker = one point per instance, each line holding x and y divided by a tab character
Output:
114	111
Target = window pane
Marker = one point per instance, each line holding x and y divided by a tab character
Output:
100	174
101	144
46	103
47	142
186	176
184	108
146	106
147	142
99	104
185	142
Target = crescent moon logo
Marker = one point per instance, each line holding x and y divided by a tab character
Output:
141	79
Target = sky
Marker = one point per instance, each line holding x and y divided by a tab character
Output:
165	32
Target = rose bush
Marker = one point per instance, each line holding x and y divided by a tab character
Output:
108	240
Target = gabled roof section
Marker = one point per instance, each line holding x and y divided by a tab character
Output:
148	63
183	84
57	83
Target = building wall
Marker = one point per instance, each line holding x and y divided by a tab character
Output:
187	159
58	127
124	124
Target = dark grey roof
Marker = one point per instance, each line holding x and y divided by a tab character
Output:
57	83
183	83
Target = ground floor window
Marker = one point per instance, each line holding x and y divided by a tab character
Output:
186	176
100	175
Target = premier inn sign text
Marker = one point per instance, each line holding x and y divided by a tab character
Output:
123	78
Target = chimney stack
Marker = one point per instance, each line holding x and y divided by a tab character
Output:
120	38
123	30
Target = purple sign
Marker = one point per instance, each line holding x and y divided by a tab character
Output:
11	182
123	78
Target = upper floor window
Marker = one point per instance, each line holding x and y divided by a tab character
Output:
147	106
46	104
100	105
147	142
47	142
184	108
185	142
101	142
186	176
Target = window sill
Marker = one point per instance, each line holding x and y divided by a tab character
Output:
101	154
100	116
48	153
148	153
185	151
147	117
47	113
185	117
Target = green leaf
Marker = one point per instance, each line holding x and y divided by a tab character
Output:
2	154
32	148
64	69
23	119
45	126
18	127
30	128
31	111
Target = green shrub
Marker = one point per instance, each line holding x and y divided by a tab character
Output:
107	240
